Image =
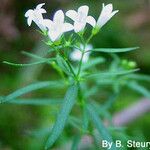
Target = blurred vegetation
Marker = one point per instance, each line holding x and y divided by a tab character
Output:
20	126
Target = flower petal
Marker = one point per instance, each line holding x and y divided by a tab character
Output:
76	55
54	35
42	11
107	9
47	23
79	26
59	17
83	10
29	13
85	57
90	20
106	15
72	14
67	27
29	21
39	6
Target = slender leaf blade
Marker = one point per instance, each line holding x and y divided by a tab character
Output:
30	88
28	64
69	101
62	64
36	101
76	142
114	50
139	88
33	55
111	74
99	125
92	63
141	77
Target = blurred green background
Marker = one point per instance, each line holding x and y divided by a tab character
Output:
129	28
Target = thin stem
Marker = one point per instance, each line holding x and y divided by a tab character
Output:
66	60
88	40
80	63
54	65
70	67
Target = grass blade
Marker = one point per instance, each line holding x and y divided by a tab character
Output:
69	101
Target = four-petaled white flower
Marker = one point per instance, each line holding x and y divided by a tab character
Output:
106	14
57	27
36	16
77	54
80	18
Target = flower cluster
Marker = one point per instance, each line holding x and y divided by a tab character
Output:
57	27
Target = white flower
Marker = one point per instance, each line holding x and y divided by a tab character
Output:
57	27
36	16
77	54
80	18
106	14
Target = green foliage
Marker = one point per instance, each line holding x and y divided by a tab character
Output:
30	88
75	143
111	74
139	88
85	78
36	101
63	115
63	65
114	50
104	133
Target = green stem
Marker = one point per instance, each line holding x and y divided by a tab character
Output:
80	63
54	65
70	67
88	40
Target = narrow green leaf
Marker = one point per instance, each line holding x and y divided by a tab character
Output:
29	64
69	101
85	119
108	104
74	122
104	133
36	101
111	74
30	88
76	142
114	50
139	88
63	65
33	55
92	63
141	77
106	81
40	133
